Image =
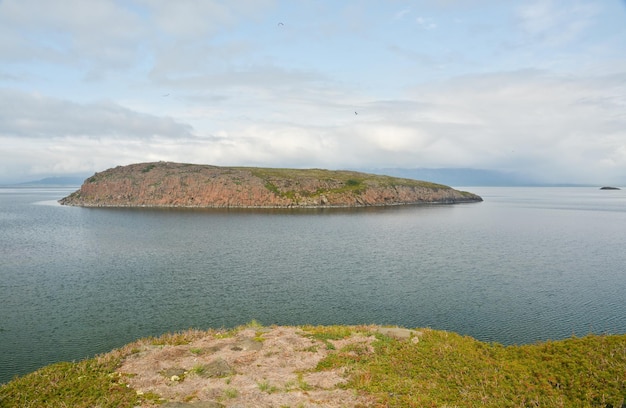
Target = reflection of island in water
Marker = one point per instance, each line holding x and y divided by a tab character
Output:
167	184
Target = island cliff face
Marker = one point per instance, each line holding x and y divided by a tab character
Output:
167	184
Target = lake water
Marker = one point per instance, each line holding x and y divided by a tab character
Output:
525	265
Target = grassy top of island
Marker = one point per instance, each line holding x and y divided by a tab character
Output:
306	366
167	184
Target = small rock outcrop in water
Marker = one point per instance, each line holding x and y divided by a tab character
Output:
609	188
167	184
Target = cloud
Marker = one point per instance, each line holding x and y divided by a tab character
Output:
195	20
100	38
402	13
67	32
555	127
425	23
552	127
42	135
34	116
555	22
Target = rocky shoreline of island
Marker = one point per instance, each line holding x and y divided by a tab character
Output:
168	184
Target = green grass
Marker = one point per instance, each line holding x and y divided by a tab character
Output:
346	181
265	386
231	393
148	168
299	383
327	333
89	383
198	369
446	369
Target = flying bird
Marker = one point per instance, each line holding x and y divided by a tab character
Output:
356	113
280	24
166	95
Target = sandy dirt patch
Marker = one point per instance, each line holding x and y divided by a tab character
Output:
251	367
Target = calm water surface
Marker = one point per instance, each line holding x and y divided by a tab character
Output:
527	264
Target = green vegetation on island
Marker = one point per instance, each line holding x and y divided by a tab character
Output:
422	368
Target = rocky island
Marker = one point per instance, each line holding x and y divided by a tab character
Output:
168	184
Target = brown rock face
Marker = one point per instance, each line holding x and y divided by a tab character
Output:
166	184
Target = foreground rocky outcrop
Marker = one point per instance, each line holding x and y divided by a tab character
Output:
167	184
331	367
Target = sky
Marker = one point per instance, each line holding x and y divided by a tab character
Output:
536	87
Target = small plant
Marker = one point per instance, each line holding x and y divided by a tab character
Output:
254	324
271	187
258	337
231	392
302	384
225	334
191	397
311	349
150	397
148	168
290	385
265	386
198	369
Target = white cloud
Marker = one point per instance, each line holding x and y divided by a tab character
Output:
67	32
34	116
402	13
533	117
425	23
551	127
196	20
555	22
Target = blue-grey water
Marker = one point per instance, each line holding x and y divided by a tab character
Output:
525	265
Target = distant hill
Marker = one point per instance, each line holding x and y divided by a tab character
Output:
460	176
167	184
62	181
